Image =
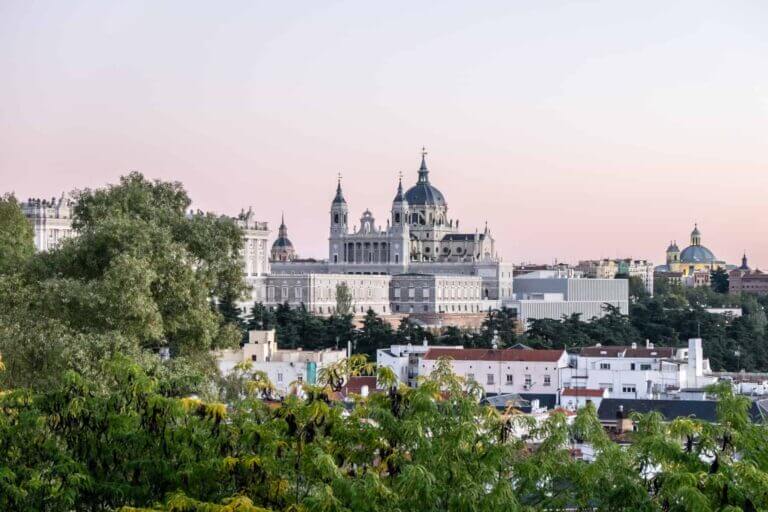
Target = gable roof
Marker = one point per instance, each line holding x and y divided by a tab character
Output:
625	351
489	354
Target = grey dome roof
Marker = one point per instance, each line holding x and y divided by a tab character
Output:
697	254
423	193
282	242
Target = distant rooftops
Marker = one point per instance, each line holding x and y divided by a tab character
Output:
624	351
486	354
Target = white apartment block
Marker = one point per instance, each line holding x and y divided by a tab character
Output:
639	372
503	371
405	360
284	368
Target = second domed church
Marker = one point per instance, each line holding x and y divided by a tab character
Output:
417	230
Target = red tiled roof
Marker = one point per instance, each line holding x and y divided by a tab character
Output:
624	351
356	383
489	354
583	392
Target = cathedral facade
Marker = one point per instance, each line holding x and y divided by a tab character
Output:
418	231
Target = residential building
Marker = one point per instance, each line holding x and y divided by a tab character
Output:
639	372
504	371
611	268
284	368
405	360
576	398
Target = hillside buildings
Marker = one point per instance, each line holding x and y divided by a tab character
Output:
746	280
639	372
611	268
284	368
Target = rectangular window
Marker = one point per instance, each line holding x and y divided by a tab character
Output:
510	379
628	388
645	367
528	381
279	377
605	366
397	293
425	293
411	293
632	366
271	293
489	380
471	377
297	293
284	293
547	380
607	386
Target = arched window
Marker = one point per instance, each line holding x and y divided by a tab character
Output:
397	218
335	218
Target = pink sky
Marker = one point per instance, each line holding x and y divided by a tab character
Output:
577	130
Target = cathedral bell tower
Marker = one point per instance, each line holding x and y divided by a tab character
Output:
400	230
339	226
339	212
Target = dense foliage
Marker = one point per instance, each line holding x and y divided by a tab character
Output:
669	318
78	446
141	275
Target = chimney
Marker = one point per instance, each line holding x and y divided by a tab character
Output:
695	368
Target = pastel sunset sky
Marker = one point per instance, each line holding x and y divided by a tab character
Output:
577	129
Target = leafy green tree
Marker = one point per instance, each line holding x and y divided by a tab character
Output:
374	334
344	303
16	236
718	280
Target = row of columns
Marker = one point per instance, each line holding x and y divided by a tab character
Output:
366	252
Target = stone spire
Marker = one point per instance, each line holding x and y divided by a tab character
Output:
339	199
282	232
423	171
399	196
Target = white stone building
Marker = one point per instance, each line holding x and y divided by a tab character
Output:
51	221
283	367
503	371
539	295
405	360
639	372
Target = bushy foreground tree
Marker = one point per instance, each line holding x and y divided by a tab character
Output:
143	273
83	447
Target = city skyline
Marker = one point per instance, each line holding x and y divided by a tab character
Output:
586	131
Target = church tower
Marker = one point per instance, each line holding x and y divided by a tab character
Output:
339	212
339	226
673	255
400	230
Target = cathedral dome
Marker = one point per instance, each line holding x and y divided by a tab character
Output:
697	254
423	193
282	242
